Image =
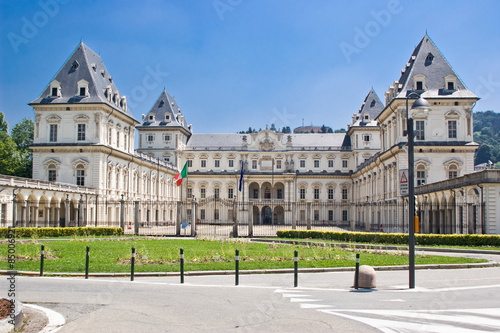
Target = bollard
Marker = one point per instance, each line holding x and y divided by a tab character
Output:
295	268
356	273
236	267
42	254
132	264
87	261
182	264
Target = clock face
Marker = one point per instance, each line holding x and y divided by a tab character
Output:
438	132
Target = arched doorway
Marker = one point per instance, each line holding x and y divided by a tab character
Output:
267	215
279	215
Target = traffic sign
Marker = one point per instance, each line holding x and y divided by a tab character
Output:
403	182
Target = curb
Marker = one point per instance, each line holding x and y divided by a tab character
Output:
56	320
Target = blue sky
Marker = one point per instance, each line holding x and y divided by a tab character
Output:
231	64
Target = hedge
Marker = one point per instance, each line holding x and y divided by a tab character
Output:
60	232
393	238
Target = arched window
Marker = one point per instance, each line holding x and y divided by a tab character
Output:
80	175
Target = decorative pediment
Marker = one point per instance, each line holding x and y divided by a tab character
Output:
52	161
80	118
53	119
266	144
81	161
453	114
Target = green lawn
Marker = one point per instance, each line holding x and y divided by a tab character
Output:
162	255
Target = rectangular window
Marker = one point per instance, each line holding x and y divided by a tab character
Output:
82	91
189	192
255	193
302	193
316	193
190	163
344	194
279	193
81	132
330	163
80	177
451	86
202	214
345	163
217	163
366	138
254	164
419	130
302	163
203	163
230	193
216	193
52	176
166	137
316	163
316	215
452	129
54	91
452	174
230	163
330	194
150	138
216	214
421	178
420	85
53	133
203	193
345	215
330	215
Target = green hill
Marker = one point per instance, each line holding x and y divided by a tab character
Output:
487	133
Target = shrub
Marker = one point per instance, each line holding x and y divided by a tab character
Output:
61	232
393	238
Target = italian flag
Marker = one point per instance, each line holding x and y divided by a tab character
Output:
181	175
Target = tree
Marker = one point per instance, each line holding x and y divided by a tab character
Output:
4	126
22	135
273	127
9	157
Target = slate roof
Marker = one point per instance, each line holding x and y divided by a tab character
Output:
430	62
87	65
234	141
164	106
371	106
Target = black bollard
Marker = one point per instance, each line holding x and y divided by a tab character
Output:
87	261
295	268
237	267
132	264
42	256
181	260
356	273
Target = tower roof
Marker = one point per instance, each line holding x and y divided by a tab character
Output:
165	113
84	66
428	65
369	110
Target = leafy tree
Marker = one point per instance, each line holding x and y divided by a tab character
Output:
273	127
22	134
4	126
342	130
9	157
487	133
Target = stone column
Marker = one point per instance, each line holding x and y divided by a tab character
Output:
46	217
67	212
27	213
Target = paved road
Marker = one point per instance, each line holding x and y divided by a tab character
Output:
444	301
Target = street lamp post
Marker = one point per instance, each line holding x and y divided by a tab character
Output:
419	104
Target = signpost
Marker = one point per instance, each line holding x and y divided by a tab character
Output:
403	182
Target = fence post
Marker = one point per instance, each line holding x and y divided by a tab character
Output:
87	260
295	268
356	273
182	264
237	267
42	255
132	264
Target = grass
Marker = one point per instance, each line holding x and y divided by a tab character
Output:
162	255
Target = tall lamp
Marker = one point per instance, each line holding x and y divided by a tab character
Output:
423	105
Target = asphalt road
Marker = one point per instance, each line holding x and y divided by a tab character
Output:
462	300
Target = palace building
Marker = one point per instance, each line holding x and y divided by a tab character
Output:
86	170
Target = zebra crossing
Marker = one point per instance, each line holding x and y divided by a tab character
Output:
398	321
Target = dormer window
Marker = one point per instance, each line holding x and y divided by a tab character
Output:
428	59
367	117
83	88
451	86
450	82
419	82
372	104
419	85
167	117
151	117
55	89
161	104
